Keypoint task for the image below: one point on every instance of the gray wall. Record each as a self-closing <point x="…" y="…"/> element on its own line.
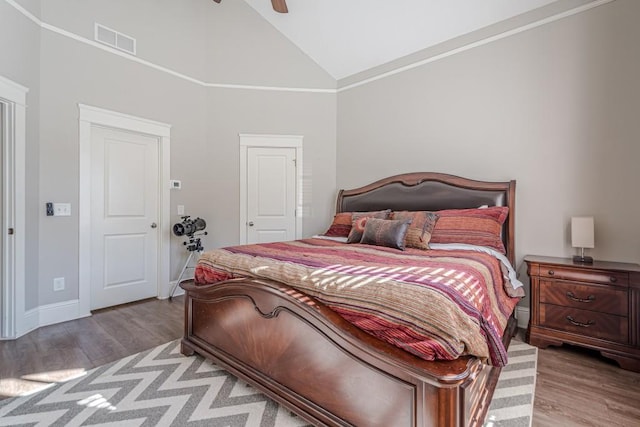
<point x="20" y="62"/>
<point x="555" y="108"/>
<point x="205" y="120"/>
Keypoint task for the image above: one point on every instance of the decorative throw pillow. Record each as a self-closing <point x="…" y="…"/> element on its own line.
<point x="482" y="227"/>
<point x="358" y="221"/>
<point x="342" y="222"/>
<point x="419" y="232"/>
<point x="341" y="225"/>
<point x="385" y="232"/>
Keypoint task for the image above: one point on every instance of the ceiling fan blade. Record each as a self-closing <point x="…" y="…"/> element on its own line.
<point x="279" y="6"/>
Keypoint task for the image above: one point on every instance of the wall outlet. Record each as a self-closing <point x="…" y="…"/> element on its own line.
<point x="62" y="209"/>
<point x="58" y="284"/>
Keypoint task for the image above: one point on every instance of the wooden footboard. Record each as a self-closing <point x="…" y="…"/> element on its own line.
<point x="309" y="359"/>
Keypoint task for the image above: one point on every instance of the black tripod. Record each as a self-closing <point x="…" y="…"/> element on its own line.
<point x="193" y="245"/>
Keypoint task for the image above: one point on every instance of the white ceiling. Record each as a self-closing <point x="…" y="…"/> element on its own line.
<point x="346" y="37"/>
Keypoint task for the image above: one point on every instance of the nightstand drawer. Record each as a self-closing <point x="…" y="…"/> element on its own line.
<point x="585" y="297"/>
<point x="583" y="275"/>
<point x="584" y="322"/>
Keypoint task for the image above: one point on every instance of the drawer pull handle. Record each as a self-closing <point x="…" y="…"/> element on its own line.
<point x="551" y="273"/>
<point x="588" y="299"/>
<point x="583" y="325"/>
<point x="613" y="279"/>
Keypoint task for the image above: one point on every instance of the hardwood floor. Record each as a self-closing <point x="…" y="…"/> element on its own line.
<point x="575" y="387"/>
<point x="63" y="350"/>
<point x="578" y="387"/>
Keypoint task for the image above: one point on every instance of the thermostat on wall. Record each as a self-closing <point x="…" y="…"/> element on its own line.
<point x="175" y="184"/>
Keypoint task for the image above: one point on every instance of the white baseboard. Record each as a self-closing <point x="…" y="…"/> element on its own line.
<point x="30" y="322"/>
<point x="60" y="312"/>
<point x="522" y="315"/>
<point x="64" y="311"/>
<point x="179" y="291"/>
<point x="49" y="315"/>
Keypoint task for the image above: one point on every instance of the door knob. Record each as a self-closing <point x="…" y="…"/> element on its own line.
<point x="154" y="225"/>
<point x="250" y="224"/>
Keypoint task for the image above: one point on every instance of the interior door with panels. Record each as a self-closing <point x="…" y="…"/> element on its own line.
<point x="124" y="216"/>
<point x="271" y="194"/>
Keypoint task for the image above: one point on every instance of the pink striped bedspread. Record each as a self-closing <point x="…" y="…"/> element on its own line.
<point x="435" y="304"/>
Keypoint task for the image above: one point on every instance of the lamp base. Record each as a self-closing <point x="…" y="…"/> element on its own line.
<point x="578" y="259"/>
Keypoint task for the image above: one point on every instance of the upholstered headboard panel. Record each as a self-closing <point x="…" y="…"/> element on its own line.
<point x="425" y="196"/>
<point x="433" y="192"/>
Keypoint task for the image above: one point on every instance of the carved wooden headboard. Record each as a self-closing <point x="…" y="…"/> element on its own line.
<point x="430" y="191"/>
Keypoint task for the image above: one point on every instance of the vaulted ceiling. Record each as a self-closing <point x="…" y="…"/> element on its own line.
<point x="346" y="37"/>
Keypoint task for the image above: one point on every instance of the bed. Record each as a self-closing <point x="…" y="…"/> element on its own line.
<point x="299" y="351"/>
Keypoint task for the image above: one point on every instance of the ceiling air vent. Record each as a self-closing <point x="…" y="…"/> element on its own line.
<point x="115" y="39"/>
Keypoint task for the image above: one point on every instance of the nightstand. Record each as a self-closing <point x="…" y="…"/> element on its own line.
<point x="591" y="305"/>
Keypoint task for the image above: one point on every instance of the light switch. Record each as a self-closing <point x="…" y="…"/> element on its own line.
<point x="180" y="209"/>
<point x="62" y="209"/>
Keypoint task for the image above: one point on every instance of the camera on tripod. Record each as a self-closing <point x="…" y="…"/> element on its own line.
<point x="189" y="227"/>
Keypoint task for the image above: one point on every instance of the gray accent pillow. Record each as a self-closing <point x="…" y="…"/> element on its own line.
<point x="358" y="221"/>
<point x="385" y="232"/>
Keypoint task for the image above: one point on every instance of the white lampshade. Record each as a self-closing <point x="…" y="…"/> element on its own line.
<point x="582" y="232"/>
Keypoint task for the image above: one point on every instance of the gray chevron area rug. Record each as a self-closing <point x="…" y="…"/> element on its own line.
<point x="512" y="403"/>
<point x="161" y="387"/>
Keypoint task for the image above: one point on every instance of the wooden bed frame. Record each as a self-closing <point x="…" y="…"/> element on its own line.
<point x="309" y="359"/>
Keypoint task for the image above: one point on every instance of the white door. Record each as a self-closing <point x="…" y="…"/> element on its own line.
<point x="3" y="224"/>
<point x="14" y="321"/>
<point x="124" y="217"/>
<point x="271" y="194"/>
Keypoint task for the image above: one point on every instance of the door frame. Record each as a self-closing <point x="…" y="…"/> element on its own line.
<point x="269" y="141"/>
<point x="94" y="116"/>
<point x="12" y="299"/>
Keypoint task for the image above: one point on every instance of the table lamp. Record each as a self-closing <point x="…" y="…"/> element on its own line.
<point x="582" y="237"/>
